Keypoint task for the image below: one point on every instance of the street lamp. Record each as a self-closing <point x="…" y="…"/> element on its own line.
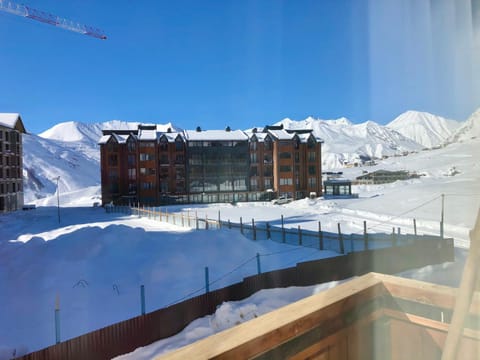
<point x="58" y="198"/>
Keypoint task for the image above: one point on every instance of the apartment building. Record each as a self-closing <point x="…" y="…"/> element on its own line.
<point x="11" y="163"/>
<point x="148" y="166"/>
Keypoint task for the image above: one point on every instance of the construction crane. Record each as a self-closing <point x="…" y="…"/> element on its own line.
<point x="42" y="16"/>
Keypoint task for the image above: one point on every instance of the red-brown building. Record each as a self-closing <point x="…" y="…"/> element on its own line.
<point x="196" y="166"/>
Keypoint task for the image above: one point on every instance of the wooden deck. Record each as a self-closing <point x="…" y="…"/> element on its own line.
<point x="374" y="316"/>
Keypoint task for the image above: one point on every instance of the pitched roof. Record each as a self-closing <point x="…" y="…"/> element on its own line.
<point x="215" y="135"/>
<point x="281" y="134"/>
<point x="10" y="120"/>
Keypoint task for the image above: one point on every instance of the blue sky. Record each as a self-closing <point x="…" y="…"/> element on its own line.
<point x="241" y="63"/>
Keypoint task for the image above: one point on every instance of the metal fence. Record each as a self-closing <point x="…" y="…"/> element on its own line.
<point x="263" y="230"/>
<point x="142" y="330"/>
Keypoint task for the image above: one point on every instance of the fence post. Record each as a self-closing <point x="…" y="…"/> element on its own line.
<point x="254" y="230"/>
<point x="219" y="220"/>
<point x="259" y="268"/>
<point x="196" y="220"/>
<point x="188" y="217"/>
<point x="207" y="281"/>
<point x="442" y="216"/>
<point x="365" y="235"/>
<point x="394" y="239"/>
<point x="241" y="226"/>
<point x="229" y="224"/>
<point x="183" y="219"/>
<point x="299" y="236"/>
<point x="320" y="236"/>
<point x="415" y="227"/>
<point x="268" y="231"/>
<point x="206" y="222"/>
<point x="57" y="319"/>
<point x="283" y="231"/>
<point x="142" y="298"/>
<point x="340" y="239"/>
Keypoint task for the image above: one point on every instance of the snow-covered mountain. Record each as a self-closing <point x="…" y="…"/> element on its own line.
<point x="426" y="129"/>
<point x="345" y="142"/>
<point x="470" y="129"/>
<point x="70" y="149"/>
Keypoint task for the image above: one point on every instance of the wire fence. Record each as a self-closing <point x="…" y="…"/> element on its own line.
<point x="339" y="242"/>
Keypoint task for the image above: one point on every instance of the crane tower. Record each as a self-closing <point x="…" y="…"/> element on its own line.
<point x="42" y="16"/>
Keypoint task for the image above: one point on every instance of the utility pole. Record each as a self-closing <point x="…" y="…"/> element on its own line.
<point x="58" y="199"/>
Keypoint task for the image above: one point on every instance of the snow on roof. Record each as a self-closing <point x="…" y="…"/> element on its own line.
<point x="259" y="135"/>
<point x="147" y="134"/>
<point x="104" y="139"/>
<point x="216" y="135"/>
<point x="9" y="120"/>
<point x="171" y="136"/>
<point x="281" y="134"/>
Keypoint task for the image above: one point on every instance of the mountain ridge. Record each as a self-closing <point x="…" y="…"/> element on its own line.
<point x="70" y="149"/>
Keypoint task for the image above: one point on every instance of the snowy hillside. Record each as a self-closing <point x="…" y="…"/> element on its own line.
<point x="68" y="150"/>
<point x="44" y="160"/>
<point x="424" y="128"/>
<point x="470" y="129"/>
<point x="345" y="142"/>
<point x="96" y="261"/>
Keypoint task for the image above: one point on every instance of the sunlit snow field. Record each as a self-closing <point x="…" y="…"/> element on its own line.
<point x="96" y="261"/>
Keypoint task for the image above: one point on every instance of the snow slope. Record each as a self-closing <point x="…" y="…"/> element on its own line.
<point x="424" y="128"/>
<point x="96" y="262"/>
<point x="345" y="142"/>
<point x="68" y="150"/>
<point x="470" y="129"/>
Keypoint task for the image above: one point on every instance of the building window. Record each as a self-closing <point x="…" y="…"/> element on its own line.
<point x="253" y="158"/>
<point x="285" y="168"/>
<point x="146" y="157"/>
<point x="297" y="157"/>
<point x="311" y="155"/>
<point x="112" y="160"/>
<point x="253" y="171"/>
<point x="147" y="185"/>
<point x="143" y="171"/>
<point x="151" y="171"/>
<point x="312" y="182"/>
<point x="132" y="188"/>
<point x="286" y="181"/>
<point x="268" y="144"/>
<point x="285" y="155"/>
<point x="179" y="145"/>
<point x="131" y="160"/>
<point x="253" y="183"/>
<point x="267" y="182"/>
<point x="147" y="144"/>
<point x="132" y="174"/>
<point x="179" y="159"/>
<point x="253" y="145"/>
<point x="113" y="175"/>
<point x="131" y="146"/>
<point x="312" y="170"/>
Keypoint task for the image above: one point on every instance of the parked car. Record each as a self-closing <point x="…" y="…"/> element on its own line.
<point x="282" y="200"/>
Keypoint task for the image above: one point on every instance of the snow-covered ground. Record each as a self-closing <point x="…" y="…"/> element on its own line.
<point x="95" y="262"/>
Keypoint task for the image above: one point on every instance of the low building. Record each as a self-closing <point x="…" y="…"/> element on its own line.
<point x="204" y="166"/>
<point x="338" y="188"/>
<point x="383" y="177"/>
<point x="11" y="162"/>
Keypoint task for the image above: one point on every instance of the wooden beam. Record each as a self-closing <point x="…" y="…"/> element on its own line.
<point x="267" y="331"/>
<point x="465" y="294"/>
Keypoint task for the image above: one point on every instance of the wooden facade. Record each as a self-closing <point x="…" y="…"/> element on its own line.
<point x="153" y="167"/>
<point x="11" y="162"/>
<point x="371" y="317"/>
